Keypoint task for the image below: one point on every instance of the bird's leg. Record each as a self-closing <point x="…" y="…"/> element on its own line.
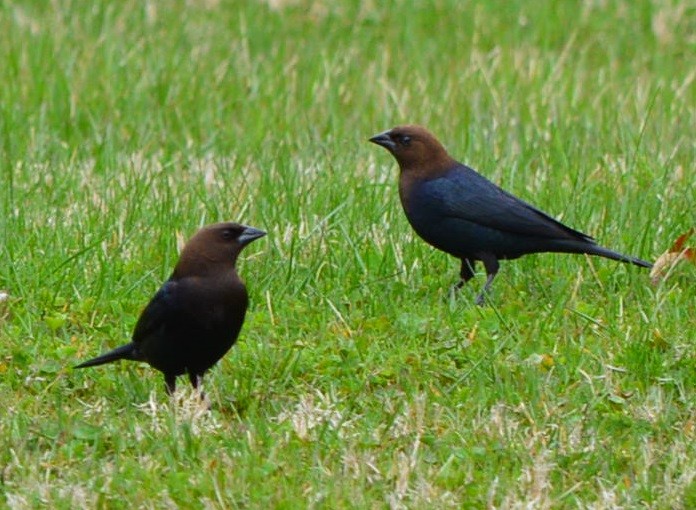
<point x="490" y="262"/>
<point x="196" y="380"/>
<point x="170" y="382"/>
<point x="466" y="272"/>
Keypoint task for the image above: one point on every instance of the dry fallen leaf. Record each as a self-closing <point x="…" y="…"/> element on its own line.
<point x="678" y="252"/>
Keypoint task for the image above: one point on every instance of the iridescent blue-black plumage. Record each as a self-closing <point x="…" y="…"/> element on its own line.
<point x="460" y="212"/>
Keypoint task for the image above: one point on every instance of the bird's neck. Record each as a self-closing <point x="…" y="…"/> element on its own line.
<point x="414" y="174"/>
<point x="427" y="169"/>
<point x="201" y="266"/>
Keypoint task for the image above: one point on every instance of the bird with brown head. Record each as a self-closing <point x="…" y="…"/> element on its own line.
<point x="457" y="210"/>
<point x="196" y="316"/>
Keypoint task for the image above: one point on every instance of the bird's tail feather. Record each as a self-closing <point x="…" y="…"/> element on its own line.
<point x="127" y="351"/>
<point x="607" y="253"/>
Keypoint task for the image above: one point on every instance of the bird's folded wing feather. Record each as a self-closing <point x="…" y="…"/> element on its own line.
<point x="465" y="194"/>
<point x="164" y="306"/>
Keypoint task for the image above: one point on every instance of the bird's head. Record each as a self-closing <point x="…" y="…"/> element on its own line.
<point x="214" y="247"/>
<point x="414" y="148"/>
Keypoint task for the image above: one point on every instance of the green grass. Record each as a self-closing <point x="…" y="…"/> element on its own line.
<point x="359" y="381"/>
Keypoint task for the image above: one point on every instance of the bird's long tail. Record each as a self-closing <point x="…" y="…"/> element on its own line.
<point x="128" y="351"/>
<point x="595" y="249"/>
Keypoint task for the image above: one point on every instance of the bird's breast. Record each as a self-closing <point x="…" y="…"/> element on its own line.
<point x="421" y="205"/>
<point x="427" y="212"/>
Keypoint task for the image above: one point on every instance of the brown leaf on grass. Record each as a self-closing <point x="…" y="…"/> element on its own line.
<point x="678" y="252"/>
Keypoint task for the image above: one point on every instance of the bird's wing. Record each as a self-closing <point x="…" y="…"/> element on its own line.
<point x="164" y="306"/>
<point x="464" y="193"/>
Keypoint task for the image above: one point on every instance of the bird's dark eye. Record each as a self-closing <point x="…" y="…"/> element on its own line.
<point x="227" y="235"/>
<point x="406" y="140"/>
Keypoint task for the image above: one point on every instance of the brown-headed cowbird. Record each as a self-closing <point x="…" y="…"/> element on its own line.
<point x="460" y="212"/>
<point x="196" y="316"/>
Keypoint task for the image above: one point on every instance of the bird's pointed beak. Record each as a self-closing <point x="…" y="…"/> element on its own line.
<point x="250" y="234"/>
<point x="384" y="139"/>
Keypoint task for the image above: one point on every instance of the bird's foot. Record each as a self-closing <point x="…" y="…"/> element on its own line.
<point x="480" y="299"/>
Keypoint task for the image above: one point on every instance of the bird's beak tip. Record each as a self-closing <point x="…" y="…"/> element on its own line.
<point x="384" y="140"/>
<point x="251" y="234"/>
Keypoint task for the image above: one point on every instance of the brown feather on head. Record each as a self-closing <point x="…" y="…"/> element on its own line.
<point x="415" y="149"/>
<point x="215" y="246"/>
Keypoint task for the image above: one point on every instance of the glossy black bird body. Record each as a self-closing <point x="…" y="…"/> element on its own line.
<point x="196" y="316"/>
<point x="458" y="211"/>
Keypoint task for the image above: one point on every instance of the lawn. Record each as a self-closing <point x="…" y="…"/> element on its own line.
<point x="360" y="380"/>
